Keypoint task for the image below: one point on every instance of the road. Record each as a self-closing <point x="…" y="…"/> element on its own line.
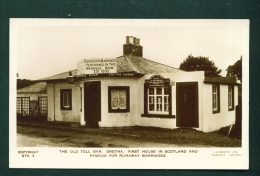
<point x="28" y="136"/>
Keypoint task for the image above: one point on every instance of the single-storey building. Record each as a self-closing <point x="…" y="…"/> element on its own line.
<point x="32" y="100"/>
<point x="130" y="90"/>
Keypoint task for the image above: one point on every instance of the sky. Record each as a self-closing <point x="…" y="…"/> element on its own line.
<point x="44" y="47"/>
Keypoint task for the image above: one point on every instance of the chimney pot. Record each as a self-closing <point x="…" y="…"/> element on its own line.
<point x="138" y="41"/>
<point x="135" y="40"/>
<point x="131" y="39"/>
<point x="127" y="39"/>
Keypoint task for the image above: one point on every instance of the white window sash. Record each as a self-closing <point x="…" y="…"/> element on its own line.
<point x="215" y="98"/>
<point x="66" y="99"/>
<point x="159" y="101"/>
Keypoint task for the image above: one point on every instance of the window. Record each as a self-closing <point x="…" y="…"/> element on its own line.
<point x="230" y="97"/>
<point x="118" y="99"/>
<point x="158" y="98"/>
<point x="65" y="99"/>
<point x="157" y="102"/>
<point x="215" y="99"/>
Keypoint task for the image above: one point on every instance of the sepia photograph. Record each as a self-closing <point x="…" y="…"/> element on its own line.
<point x="135" y="91"/>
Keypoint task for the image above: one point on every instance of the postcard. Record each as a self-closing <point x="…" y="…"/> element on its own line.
<point x="129" y="93"/>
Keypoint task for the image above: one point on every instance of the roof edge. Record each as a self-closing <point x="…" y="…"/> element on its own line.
<point x="221" y="80"/>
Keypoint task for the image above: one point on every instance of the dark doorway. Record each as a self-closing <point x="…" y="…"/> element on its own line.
<point x="92" y="103"/>
<point x="187" y="104"/>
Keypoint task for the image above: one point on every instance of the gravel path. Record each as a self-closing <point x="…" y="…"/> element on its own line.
<point x="124" y="137"/>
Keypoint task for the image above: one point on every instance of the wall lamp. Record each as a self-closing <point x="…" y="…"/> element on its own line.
<point x="71" y="79"/>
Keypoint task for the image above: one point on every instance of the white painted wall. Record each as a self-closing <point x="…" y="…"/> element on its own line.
<point x="107" y="119"/>
<point x="207" y="120"/>
<point x="54" y="111"/>
<point x="212" y="122"/>
<point x="136" y="85"/>
<point x="124" y="118"/>
<point x="175" y="77"/>
<point x="51" y="105"/>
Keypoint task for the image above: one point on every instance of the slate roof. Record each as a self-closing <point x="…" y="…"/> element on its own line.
<point x="39" y="87"/>
<point x="142" y="65"/>
<point x="224" y="80"/>
<point x="129" y="64"/>
<point x="60" y="76"/>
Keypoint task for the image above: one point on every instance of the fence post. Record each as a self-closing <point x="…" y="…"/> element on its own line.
<point x="238" y="125"/>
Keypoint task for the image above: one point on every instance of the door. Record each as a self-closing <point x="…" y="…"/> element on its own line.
<point x="187" y="104"/>
<point x="92" y="103"/>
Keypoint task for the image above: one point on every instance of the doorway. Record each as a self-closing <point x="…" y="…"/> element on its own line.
<point x="187" y="104"/>
<point x="92" y="103"/>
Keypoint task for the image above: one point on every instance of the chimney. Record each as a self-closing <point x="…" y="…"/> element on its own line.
<point x="132" y="47"/>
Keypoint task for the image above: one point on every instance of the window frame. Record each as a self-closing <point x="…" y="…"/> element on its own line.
<point x="118" y="88"/>
<point x="155" y="100"/>
<point x="217" y="97"/>
<point x="146" y="104"/>
<point x="62" y="93"/>
<point x="231" y="87"/>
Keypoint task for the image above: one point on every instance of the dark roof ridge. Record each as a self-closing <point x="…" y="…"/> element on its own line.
<point x="135" y="69"/>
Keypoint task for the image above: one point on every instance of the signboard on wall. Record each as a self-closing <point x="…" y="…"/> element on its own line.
<point x="97" y="66"/>
<point x="157" y="81"/>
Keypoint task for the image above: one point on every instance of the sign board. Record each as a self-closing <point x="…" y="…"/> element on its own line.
<point x="97" y="66"/>
<point x="157" y="81"/>
<point x="110" y="75"/>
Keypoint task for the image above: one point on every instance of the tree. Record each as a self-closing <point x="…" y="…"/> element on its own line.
<point x="200" y="63"/>
<point x="235" y="69"/>
<point x="21" y="83"/>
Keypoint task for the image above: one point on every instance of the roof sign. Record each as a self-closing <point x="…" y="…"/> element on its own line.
<point x="97" y="66"/>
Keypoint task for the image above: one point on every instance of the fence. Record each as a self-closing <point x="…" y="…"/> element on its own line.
<point x="31" y="109"/>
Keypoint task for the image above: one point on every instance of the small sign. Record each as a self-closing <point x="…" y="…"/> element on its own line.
<point x="110" y="75"/>
<point x="97" y="66"/>
<point x="157" y="81"/>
